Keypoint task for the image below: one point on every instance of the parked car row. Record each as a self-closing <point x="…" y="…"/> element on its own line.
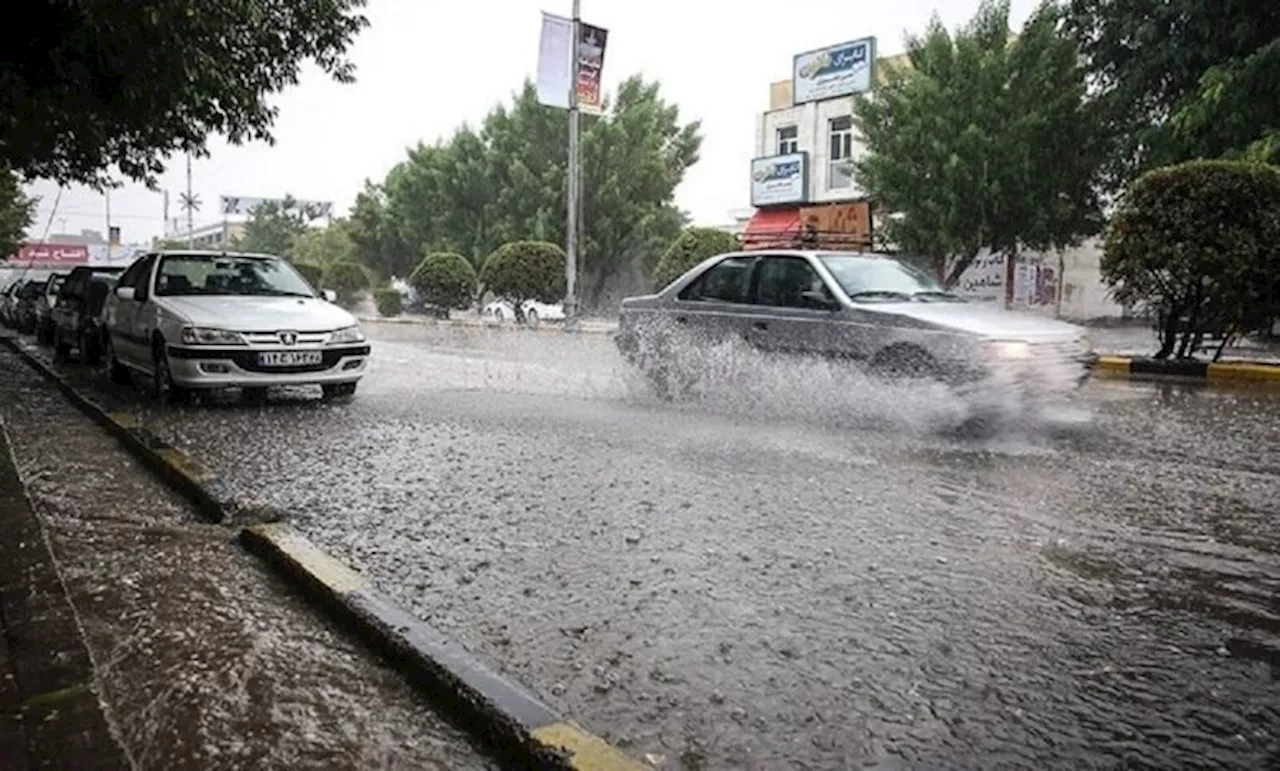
<point x="190" y="321"/>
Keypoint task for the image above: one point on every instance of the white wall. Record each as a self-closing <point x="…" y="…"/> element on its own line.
<point x="812" y="121"/>
<point x="1068" y="285"/>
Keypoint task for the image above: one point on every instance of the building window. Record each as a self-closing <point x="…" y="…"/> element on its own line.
<point x="788" y="140"/>
<point x="839" y="165"/>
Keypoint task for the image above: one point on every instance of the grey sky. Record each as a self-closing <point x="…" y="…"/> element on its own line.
<point x="425" y="67"/>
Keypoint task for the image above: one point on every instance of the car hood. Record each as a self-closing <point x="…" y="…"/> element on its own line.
<point x="258" y="314"/>
<point x="979" y="320"/>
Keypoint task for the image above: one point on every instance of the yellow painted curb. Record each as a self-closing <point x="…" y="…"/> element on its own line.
<point x="332" y="574"/>
<point x="1256" y="372"/>
<point x="589" y="752"/>
<point x="186" y="465"/>
<point x="1111" y="365"/>
<point x="125" y="419"/>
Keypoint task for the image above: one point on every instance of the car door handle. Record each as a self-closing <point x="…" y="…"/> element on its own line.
<point x="762" y="325"/>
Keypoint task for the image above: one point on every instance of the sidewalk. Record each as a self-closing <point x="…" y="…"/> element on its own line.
<point x="1140" y="342"/>
<point x="50" y="713"/>
<point x="201" y="656"/>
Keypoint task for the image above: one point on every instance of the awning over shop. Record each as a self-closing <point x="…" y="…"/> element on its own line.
<point x="772" y="229"/>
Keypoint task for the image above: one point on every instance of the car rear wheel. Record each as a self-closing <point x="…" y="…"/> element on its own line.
<point x="88" y="347"/>
<point x="338" y="390"/>
<point x="61" y="348"/>
<point x="531" y="318"/>
<point x="116" y="372"/>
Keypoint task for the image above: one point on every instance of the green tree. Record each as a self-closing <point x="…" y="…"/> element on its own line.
<point x="17" y="211"/>
<point x="273" y="227"/>
<point x="88" y="86"/>
<point x="525" y="270"/>
<point x="324" y="246"/>
<point x="1180" y="79"/>
<point x="445" y="281"/>
<point x="507" y="182"/>
<point x="313" y="273"/>
<point x="348" y="279"/>
<point x="1199" y="244"/>
<point x="389" y="301"/>
<point x="373" y="231"/>
<point x="692" y="247"/>
<point x="966" y="144"/>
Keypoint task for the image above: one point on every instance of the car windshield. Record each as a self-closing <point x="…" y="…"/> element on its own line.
<point x="867" y="278"/>
<point x="216" y="274"/>
<point x="33" y="289"/>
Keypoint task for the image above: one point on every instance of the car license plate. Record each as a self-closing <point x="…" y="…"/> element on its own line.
<point x="289" y="358"/>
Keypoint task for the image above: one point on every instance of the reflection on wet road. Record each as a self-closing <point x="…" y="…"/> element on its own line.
<point x="796" y="571"/>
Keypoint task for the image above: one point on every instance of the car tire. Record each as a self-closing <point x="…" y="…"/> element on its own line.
<point x="497" y="315"/>
<point x="61" y="348"/>
<point x="88" y="348"/>
<point x="531" y="318"/>
<point x="334" y="391"/>
<point x="116" y="372"/>
<point x="163" y="388"/>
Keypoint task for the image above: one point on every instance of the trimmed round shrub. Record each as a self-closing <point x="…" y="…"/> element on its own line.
<point x="1198" y="244"/>
<point x="314" y="274"/>
<point x="389" y="301"/>
<point x="346" y="278"/>
<point x="692" y="247"/>
<point x="525" y="270"/>
<point x="445" y="281"/>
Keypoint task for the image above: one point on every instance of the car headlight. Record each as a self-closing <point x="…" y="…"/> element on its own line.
<point x="209" y="336"/>
<point x="347" y="335"/>
<point x="1008" y="349"/>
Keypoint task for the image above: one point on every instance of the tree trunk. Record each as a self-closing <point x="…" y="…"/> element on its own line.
<point x="1168" y="333"/>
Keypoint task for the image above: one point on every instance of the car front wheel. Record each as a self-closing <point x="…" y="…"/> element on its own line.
<point x="162" y="385"/>
<point x="61" y="348"/>
<point x="116" y="372"/>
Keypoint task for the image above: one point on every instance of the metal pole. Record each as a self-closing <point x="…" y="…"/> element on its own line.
<point x="571" y="236"/>
<point x="190" y="209"/>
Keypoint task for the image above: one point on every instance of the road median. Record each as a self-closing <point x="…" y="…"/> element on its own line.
<point x="502" y="714"/>
<point x="1258" y="373"/>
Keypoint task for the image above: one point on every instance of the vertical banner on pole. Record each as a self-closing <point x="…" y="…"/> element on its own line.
<point x="554" y="61"/>
<point x="591" y="45"/>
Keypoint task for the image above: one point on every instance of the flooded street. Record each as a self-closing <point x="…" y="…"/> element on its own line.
<point x="798" y="570"/>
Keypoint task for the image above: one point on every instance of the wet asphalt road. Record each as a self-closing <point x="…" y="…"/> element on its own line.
<point x="795" y="570"/>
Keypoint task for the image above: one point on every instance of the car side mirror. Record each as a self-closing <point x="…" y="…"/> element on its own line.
<point x="125" y="292"/>
<point x="819" y="299"/>
<point x="330" y="295"/>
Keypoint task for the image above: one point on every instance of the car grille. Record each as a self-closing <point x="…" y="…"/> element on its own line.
<point x="248" y="359"/>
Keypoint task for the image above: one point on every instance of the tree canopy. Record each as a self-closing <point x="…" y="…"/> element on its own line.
<point x="1181" y="79"/>
<point x="507" y="181"/>
<point x="1199" y="245"/>
<point x="273" y="227"/>
<point x="324" y="246"/>
<point x="17" y="210"/>
<point x="692" y="247"/>
<point x="445" y="280"/>
<point x="983" y="142"/>
<point x="525" y="270"/>
<point x="91" y="85"/>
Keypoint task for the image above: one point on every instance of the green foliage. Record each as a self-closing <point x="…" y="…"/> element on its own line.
<point x="1180" y="79"/>
<point x="97" y="85"/>
<point x="445" y="280"/>
<point x="324" y="246"/>
<point x="692" y="247"/>
<point x="506" y="181"/>
<point x="389" y="301"/>
<point x="525" y="270"/>
<point x="313" y="273"/>
<point x="348" y="279"/>
<point x="169" y="244"/>
<point x="1201" y="242"/>
<point x="273" y="227"/>
<point x="17" y="210"/>
<point x="373" y="231"/>
<point x="967" y="144"/>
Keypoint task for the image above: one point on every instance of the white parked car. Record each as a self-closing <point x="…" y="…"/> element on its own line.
<point x="207" y="320"/>
<point x="500" y="311"/>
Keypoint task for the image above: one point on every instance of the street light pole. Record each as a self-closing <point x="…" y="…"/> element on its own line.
<point x="571" y="237"/>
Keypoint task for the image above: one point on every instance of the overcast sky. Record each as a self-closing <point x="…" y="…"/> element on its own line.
<point x="425" y="67"/>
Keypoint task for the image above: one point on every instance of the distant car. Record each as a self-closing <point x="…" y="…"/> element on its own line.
<point x="500" y="311"/>
<point x="24" y="312"/>
<point x="871" y="310"/>
<point x="9" y="302"/>
<point x="44" y="308"/>
<point x="191" y="320"/>
<point x="77" y="313"/>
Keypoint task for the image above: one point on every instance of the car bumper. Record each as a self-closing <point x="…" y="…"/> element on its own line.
<point x="237" y="368"/>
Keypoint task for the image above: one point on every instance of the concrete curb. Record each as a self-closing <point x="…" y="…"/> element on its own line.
<point x="544" y="327"/>
<point x="1253" y="373"/>
<point x="504" y="716"/>
<point x="507" y="716"/>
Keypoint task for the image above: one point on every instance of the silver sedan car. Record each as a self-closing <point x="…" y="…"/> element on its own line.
<point x="872" y="309"/>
